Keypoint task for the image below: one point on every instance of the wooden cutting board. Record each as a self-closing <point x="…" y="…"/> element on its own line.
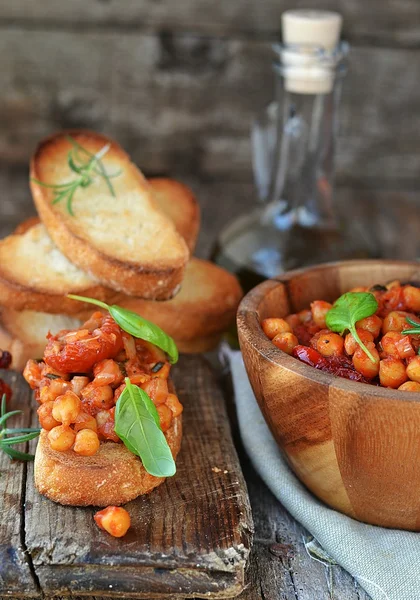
<point x="189" y="537"/>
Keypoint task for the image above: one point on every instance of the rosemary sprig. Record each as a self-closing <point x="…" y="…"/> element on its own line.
<point x="6" y="442"/>
<point x="85" y="165"/>
<point x="416" y="327"/>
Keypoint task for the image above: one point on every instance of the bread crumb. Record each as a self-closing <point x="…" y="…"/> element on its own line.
<point x="217" y="470"/>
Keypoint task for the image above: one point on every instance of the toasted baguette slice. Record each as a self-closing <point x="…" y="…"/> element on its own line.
<point x="177" y="201"/>
<point x="24" y="333"/>
<point x="122" y="240"/>
<point x="204" y="308"/>
<point x="113" y="476"/>
<point x="35" y="275"/>
<point x="51" y="276"/>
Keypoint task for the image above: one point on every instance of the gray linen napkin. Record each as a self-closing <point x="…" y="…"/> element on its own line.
<point x="385" y="562"/>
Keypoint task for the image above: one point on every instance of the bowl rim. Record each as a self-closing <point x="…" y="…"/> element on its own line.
<point x="251" y="332"/>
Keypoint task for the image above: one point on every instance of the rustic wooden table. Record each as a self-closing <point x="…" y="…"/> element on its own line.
<point x="280" y="567"/>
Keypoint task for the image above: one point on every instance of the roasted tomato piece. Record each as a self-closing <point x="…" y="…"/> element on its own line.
<point x="310" y="357"/>
<point x="78" y="351"/>
<point x="336" y="365"/>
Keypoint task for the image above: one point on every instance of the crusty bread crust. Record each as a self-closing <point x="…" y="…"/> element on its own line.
<point x="159" y="278"/>
<point x="205" y="307"/>
<point x="178" y="202"/>
<point x="24" y="333"/>
<point x="19" y="263"/>
<point x="113" y="476"/>
<point x="26" y="225"/>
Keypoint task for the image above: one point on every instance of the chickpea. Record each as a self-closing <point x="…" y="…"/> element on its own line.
<point x="359" y="289"/>
<point x="397" y="345"/>
<point x="174" y="404"/>
<point x="85" y="421"/>
<point x="66" y="408"/>
<point x="45" y="395"/>
<point x="45" y="417"/>
<point x="395" y="283"/>
<point x="286" y="342"/>
<point x="392" y="372"/>
<point x="165" y="416"/>
<point x="410" y="386"/>
<point x="373" y="324"/>
<point x="411" y="297"/>
<point x="50" y="390"/>
<point x="413" y="369"/>
<point x="78" y="383"/>
<point x="363" y="364"/>
<point x="58" y="387"/>
<point x="350" y="344"/>
<point x="319" y="310"/>
<point x="87" y="442"/>
<point x="395" y="321"/>
<point x="292" y="320"/>
<point x="273" y="327"/>
<point x="103" y="397"/>
<point x="114" y="520"/>
<point x="61" y="438"/>
<point x="156" y="389"/>
<point x="330" y="344"/>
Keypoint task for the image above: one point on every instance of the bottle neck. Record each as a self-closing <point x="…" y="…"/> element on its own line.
<point x="302" y="174"/>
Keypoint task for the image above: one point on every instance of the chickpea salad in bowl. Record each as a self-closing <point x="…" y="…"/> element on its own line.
<point x="371" y="335"/>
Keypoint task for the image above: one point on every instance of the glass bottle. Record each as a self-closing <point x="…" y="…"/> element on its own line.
<point x="293" y="143"/>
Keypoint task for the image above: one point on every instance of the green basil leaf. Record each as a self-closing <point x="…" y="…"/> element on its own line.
<point x="136" y="326"/>
<point x="149" y="405"/>
<point x="349" y="309"/>
<point x="132" y="323"/>
<point x="136" y="424"/>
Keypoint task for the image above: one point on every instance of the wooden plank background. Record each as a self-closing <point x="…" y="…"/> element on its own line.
<point x="177" y="83"/>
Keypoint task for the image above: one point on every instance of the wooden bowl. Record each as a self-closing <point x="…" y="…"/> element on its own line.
<point x="354" y="445"/>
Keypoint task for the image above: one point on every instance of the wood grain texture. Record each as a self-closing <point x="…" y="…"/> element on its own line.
<point x="354" y="445"/>
<point x="16" y="574"/>
<point x="183" y="103"/>
<point x="393" y="24"/>
<point x="191" y="536"/>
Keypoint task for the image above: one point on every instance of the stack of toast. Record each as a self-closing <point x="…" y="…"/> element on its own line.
<point x="106" y="232"/>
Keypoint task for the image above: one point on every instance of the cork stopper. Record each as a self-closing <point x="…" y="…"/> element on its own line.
<point x="305" y="32"/>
